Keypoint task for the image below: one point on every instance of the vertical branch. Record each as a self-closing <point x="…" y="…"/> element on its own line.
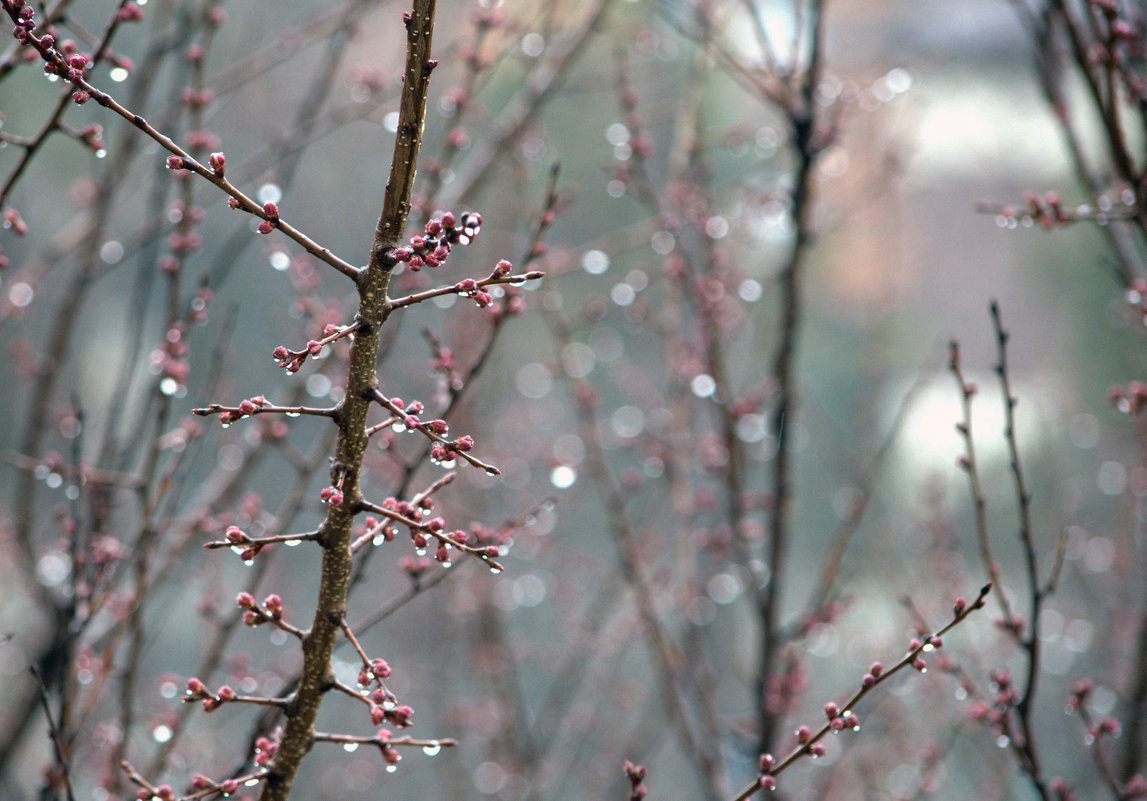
<point x="802" y="117"/>
<point x="317" y="675"/>
<point x="970" y="466"/>
<point x="1029" y="642"/>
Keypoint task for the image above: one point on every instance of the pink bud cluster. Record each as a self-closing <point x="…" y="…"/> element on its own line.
<point x="197" y="691"/>
<point x="446" y="451"/>
<point x="1130" y="399"/>
<point x="255" y="615"/>
<point x="636" y="776"/>
<point x="265" y="750"/>
<point x="1078" y="696"/>
<point x="292" y="361"/>
<point x="271" y="210"/>
<point x="170" y="359"/>
<point x="433" y="246"/>
<point x="237" y="537"/>
<point x="766" y="766"/>
<point x="244" y="409"/>
<point x="227" y="787"/>
<point x="372" y="524"/>
<point x="1046" y="209"/>
<point x="1005" y="696"/>
<point x="63" y="61"/>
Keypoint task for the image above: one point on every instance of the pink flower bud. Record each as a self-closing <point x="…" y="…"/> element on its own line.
<point x="218" y="164"/>
<point x="831" y="710"/>
<point x="265" y="228"/>
<point x="400" y="716"/>
<point x="245" y="600"/>
<point x="274" y="605"/>
<point x="271" y="210"/>
<point x="768" y="783"/>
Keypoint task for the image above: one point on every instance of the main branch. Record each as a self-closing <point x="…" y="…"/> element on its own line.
<point x="373" y="309"/>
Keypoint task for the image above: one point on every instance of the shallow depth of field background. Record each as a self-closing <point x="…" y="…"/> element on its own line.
<point x="947" y="114"/>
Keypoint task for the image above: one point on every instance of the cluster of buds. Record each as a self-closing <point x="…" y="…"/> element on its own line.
<point x="129" y="12"/>
<point x="389" y="754"/>
<point x="92" y="136"/>
<point x="197" y="691"/>
<point x="1006" y="696"/>
<point x="1078" y="696"/>
<point x="244" y="409"/>
<point x="839" y="721"/>
<point x="804" y="737"/>
<point x="68" y="64"/>
<point x="265" y="750"/>
<point x="1045" y="209"/>
<point x="201" y="784"/>
<point x="915" y="645"/>
<point x="247" y="547"/>
<point x="380" y="529"/>
<point x="170" y="360"/>
<point x="766" y="767"/>
<point x="1130" y="399"/>
<point x="292" y="360"/>
<point x="333" y="495"/>
<point x="399" y="716"/>
<point x="636" y="776"/>
<point x="875" y="671"/>
<point x="272" y="222"/>
<point x="446" y="451"/>
<point x="14" y="222"/>
<point x="256" y="615"/>
<point x="407" y="509"/>
<point x="439" y="236"/>
<point x="1106" y="726"/>
<point x="469" y="288"/>
<point x="376" y="671"/>
<point x="163" y="793"/>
